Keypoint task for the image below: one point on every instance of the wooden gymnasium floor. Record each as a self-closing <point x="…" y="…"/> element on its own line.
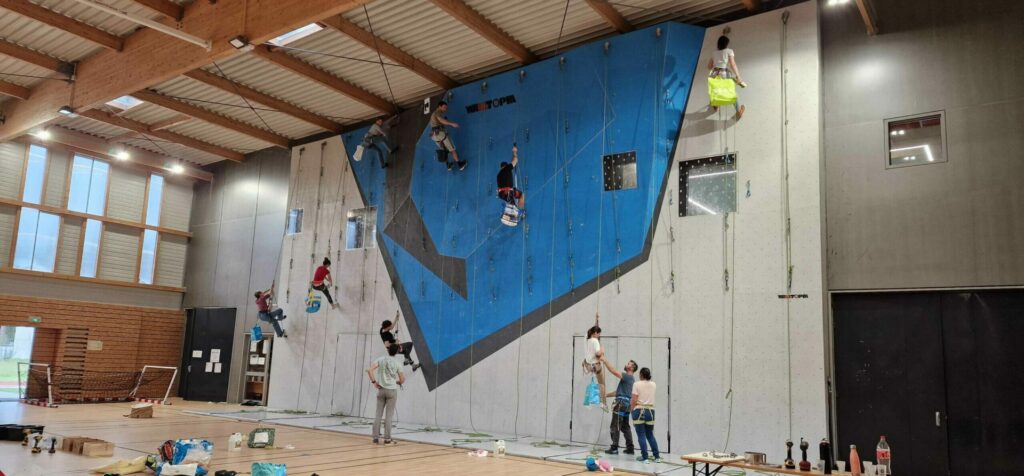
<point x="315" y="451"/>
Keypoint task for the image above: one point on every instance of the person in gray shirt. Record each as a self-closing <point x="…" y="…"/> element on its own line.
<point x="377" y="137"/>
<point x="386" y="374"/>
<point x="620" y="407"/>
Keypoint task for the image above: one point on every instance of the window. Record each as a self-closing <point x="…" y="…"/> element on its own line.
<point x="154" y="200"/>
<point x="294" y="225"/>
<point x="149" y="238"/>
<point x="124" y="103"/>
<point x="916" y="140"/>
<point x="361" y="229"/>
<point x="35" y="173"/>
<point x="36" y="248"/>
<point x="707" y="186"/>
<point x="88" y="193"/>
<point x="90" y="248"/>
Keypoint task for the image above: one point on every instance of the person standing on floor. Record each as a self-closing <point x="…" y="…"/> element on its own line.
<point x="620" y="407"/>
<point x="641" y="406"/>
<point x="322" y="280"/>
<point x="266" y="315"/>
<point x="388" y="331"/>
<point x="386" y="375"/>
<point x="723" y="65"/>
<point x="439" y="134"/>
<point x="592" y="362"/>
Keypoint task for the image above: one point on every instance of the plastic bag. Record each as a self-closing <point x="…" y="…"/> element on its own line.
<point x="722" y="91"/>
<point x="312" y="302"/>
<point x="269" y="469"/>
<point x="257" y="333"/>
<point x="359" y="152"/>
<point x="183" y="454"/>
<point x="592" y="396"/>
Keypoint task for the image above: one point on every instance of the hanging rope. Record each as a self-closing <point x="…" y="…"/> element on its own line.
<point x="246" y="101"/>
<point x="787" y="250"/>
<point x="379" y="57"/>
<point x="312" y="265"/>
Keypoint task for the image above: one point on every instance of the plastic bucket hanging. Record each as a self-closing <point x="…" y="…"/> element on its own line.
<point x="312" y="302"/>
<point x="592" y="397"/>
<point x="359" y="153"/>
<point x="722" y="91"/>
<point x="510" y="217"/>
<point x="257" y="333"/>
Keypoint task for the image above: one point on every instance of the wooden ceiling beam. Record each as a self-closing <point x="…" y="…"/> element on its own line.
<point x="108" y="118"/>
<point x="752" y="5"/>
<point x="487" y="29"/>
<point x="61" y="22"/>
<point x="211" y="117"/>
<point x="151" y="59"/>
<point x="165" y="8"/>
<point x="95" y="145"/>
<point x="14" y="91"/>
<point x="246" y="92"/>
<point x="343" y="25"/>
<point x="156" y="126"/>
<point x="302" y="68"/>
<point x="612" y="16"/>
<point x="30" y="56"/>
<point x="867" y="13"/>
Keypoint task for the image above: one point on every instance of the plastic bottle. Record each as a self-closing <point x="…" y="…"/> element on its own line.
<point x="855" y="468"/>
<point x="883" y="457"/>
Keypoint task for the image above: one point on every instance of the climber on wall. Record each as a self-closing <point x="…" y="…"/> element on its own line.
<point x="322" y="280"/>
<point x="266" y="315"/>
<point x="377" y="137"/>
<point x="507" y="190"/>
<point x="439" y="134"/>
<point x="592" y="362"/>
<point x="723" y="65"/>
<point x="388" y="330"/>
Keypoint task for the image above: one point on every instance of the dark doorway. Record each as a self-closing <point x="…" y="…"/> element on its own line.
<point x="938" y="373"/>
<point x="206" y="356"/>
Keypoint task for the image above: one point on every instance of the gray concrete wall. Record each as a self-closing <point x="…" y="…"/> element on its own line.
<point x="237" y="228"/>
<point x="747" y="368"/>
<point x="959" y="223"/>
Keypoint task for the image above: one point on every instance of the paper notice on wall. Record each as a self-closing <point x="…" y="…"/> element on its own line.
<point x="254" y="346"/>
<point x="216" y="368"/>
<point x="209" y="367"/>
<point x="262" y="361"/>
<point x="266" y="346"/>
<point x="214" y="355"/>
<point x="197" y="354"/>
<point x="254" y="359"/>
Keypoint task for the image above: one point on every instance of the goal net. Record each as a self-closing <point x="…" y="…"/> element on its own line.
<point x="75" y="385"/>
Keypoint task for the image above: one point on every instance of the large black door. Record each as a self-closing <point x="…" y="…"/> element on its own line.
<point x="889" y="379"/>
<point x="207" y="353"/>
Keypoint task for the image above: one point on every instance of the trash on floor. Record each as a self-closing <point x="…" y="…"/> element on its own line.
<point x="123" y="466"/>
<point x="268" y="469"/>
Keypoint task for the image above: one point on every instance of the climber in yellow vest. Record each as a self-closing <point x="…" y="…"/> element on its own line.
<point x="723" y="65"/>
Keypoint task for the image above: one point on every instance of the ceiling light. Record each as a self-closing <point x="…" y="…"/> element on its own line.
<point x="42" y="134"/>
<point x="122" y="155"/>
<point x="177" y="168"/>
<point x="894" y="133"/>
<point x="833" y="3"/>
<point x="296" y="34"/>
<point x="903" y="132"/>
<point x="67" y="111"/>
<point x="239" y="42"/>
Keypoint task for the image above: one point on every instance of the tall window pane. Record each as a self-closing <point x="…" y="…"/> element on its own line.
<point x="88" y="193"/>
<point x="149" y="238"/>
<point x="36" y="248"/>
<point x="34" y="174"/>
<point x="156" y="194"/>
<point x="91" y="248"/>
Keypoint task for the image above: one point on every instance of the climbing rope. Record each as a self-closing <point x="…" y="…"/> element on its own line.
<point x="312" y="264"/>
<point x="292" y="186"/>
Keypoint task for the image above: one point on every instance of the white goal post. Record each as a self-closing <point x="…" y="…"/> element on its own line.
<point x="170" y="383"/>
<point x="23" y="390"/>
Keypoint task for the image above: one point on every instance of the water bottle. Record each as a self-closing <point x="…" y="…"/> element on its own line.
<point x="855" y="467"/>
<point x="883" y="457"/>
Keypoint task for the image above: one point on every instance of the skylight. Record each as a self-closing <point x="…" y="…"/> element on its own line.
<point x="296" y="34"/>
<point x="124" y="103"/>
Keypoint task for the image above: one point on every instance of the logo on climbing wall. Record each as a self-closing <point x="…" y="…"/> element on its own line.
<point x="491" y="104"/>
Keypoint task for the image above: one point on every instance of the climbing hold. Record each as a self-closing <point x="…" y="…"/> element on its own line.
<point x="607" y="45"/>
<point x="522" y="74"/>
<point x="483" y="86"/>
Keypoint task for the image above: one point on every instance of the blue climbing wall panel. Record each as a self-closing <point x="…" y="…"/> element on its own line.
<point x="620" y="95"/>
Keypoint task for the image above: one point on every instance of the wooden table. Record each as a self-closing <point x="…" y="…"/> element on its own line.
<point x="697" y="460"/>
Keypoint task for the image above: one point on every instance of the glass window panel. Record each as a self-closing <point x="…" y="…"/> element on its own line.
<point x="154" y="200"/>
<point x="34" y="174"/>
<point x="36" y="248"/>
<point x="88" y="192"/>
<point x="294" y="225"/>
<point x="91" y="248"/>
<point x="98" y="188"/>
<point x="361" y="229"/>
<point x="916" y="140"/>
<point x="149" y="239"/>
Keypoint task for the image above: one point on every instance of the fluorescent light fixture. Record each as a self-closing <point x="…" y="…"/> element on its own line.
<point x="177" y="168"/>
<point x="239" y="42"/>
<point x="712" y="174"/>
<point x="124" y="103"/>
<point x="42" y="134"/>
<point x="122" y="155"/>
<point x="67" y="111"/>
<point x="926" y="147"/>
<point x="701" y="206"/>
<point x="833" y="3"/>
<point x="296" y="34"/>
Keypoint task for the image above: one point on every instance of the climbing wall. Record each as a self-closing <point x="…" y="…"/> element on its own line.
<point x="494" y="311"/>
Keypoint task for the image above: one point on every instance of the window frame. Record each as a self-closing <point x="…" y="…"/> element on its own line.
<point x="35" y="240"/>
<point x="684" y="193"/>
<point x="363" y="212"/>
<point x="106" y="191"/>
<point x="886" y="149"/>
